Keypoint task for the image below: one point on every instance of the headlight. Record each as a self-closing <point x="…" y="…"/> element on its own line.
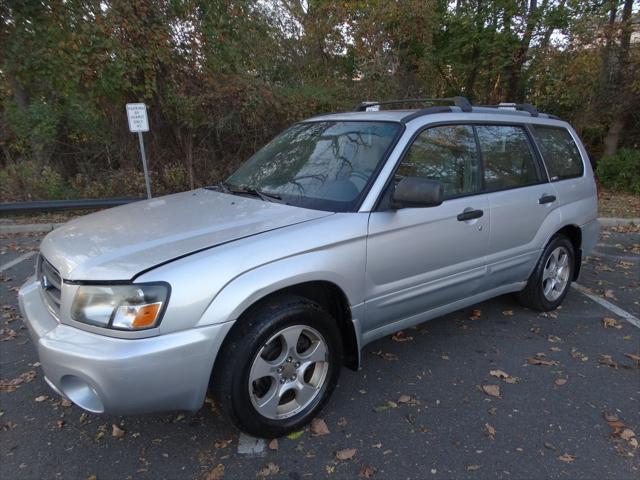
<point x="123" y="307"/>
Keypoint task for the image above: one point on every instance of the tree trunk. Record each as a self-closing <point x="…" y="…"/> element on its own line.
<point x="515" y="92"/>
<point x="618" y="79"/>
<point x="612" y="139"/>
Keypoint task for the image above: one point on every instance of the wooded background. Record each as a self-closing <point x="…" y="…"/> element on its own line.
<point x="222" y="77"/>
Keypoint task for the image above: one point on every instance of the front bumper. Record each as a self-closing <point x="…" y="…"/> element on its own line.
<point x="121" y="376"/>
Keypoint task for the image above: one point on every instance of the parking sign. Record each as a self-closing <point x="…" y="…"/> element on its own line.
<point x="137" y="116"/>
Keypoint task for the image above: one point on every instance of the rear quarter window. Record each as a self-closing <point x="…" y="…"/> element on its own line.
<point x="559" y="151"/>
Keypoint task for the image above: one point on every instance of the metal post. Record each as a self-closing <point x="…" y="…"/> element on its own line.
<point x="144" y="165"/>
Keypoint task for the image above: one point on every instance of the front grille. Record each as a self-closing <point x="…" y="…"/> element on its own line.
<point x="50" y="283"/>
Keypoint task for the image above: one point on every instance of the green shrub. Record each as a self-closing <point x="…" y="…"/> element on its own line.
<point x="620" y="171"/>
<point x="26" y="181"/>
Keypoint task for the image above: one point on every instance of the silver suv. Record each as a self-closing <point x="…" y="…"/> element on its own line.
<point x="345" y="228"/>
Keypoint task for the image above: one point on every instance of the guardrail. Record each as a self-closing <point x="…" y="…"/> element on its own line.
<point x="39" y="206"/>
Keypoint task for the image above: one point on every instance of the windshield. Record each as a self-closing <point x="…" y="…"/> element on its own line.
<point x="319" y="165"/>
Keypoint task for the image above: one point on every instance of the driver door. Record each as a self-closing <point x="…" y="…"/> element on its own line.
<point x="419" y="259"/>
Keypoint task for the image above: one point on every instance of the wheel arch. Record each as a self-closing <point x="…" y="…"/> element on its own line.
<point x="326" y="293"/>
<point x="574" y="234"/>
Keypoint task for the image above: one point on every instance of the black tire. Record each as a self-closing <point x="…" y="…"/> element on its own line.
<point x="533" y="294"/>
<point x="245" y="341"/>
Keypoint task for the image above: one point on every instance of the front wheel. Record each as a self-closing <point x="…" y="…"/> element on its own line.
<point x="278" y="367"/>
<point x="550" y="280"/>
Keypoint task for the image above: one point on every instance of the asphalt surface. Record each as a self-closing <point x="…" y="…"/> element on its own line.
<point x="417" y="408"/>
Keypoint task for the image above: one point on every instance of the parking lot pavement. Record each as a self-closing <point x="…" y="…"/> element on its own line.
<point x="494" y="391"/>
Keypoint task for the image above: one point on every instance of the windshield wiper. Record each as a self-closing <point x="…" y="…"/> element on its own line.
<point x="266" y="196"/>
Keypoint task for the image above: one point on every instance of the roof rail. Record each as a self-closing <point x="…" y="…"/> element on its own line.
<point x="525" y="107"/>
<point x="461" y="102"/>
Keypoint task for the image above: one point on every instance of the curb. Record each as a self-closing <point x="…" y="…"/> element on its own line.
<point x="616" y="222"/>
<point x="47" y="227"/>
<point x="29" y="227"/>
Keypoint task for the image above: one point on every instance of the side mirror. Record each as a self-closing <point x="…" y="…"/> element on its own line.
<point x="417" y="192"/>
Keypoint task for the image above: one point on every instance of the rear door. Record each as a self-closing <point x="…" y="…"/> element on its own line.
<point x="421" y="258"/>
<point x="520" y="199"/>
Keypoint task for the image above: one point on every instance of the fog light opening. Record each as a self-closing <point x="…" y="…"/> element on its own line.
<point x="81" y="393"/>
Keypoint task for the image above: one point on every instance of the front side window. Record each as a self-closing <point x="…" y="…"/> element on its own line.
<point x="507" y="157"/>
<point x="559" y="151"/>
<point x="448" y="154"/>
<point x="319" y="165"/>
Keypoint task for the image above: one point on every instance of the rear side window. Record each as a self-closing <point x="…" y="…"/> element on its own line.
<point x="447" y="154"/>
<point x="507" y="157"/>
<point x="560" y="153"/>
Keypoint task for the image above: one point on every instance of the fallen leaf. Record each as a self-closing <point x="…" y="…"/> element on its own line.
<point x="609" y="294"/>
<point x="404" y="398"/>
<point x="493" y="411"/>
<point x="222" y="443"/>
<point x="489" y="431"/>
<point x="627" y="434"/>
<point x="550" y="446"/>
<point x="386" y="406"/>
<point x="295" y="435"/>
<point x="41" y="398"/>
<point x="386" y="355"/>
<point x="607" y="360"/>
<point x="269" y="469"/>
<point x="576" y="354"/>
<point x="7" y="334"/>
<point x="504" y="376"/>
<point x="491" y="390"/>
<point x="342" y="422"/>
<point x="507" y="313"/>
<point x="273" y="444"/>
<point x="216" y="473"/>
<point x="367" y="472"/>
<point x="11" y="385"/>
<point x="632" y="356"/>
<point x="567" y="458"/>
<point x="116" y="431"/>
<point x="541" y="361"/>
<point x="476" y="313"/>
<point x="611" y="322"/>
<point x="346" y="453"/>
<point x="401" y="337"/>
<point x="560" y="381"/>
<point x="319" y="427"/>
<point x="65" y="403"/>
<point x="473" y="468"/>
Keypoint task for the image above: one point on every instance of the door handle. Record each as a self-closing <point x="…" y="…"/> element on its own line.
<point x="546" y="199"/>
<point x="469" y="215"/>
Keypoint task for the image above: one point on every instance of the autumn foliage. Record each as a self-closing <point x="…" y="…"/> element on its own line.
<point x="222" y="77"/>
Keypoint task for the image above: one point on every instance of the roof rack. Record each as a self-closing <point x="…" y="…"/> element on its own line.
<point x="461" y="102"/>
<point x="525" y="107"/>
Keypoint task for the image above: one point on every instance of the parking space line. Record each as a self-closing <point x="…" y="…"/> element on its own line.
<point x="16" y="261"/>
<point x="633" y="320"/>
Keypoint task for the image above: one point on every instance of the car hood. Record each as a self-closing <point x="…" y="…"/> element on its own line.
<point x="118" y="243"/>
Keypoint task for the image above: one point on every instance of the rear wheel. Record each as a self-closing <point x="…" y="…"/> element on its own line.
<point x="550" y="280"/>
<point x="279" y="367"/>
